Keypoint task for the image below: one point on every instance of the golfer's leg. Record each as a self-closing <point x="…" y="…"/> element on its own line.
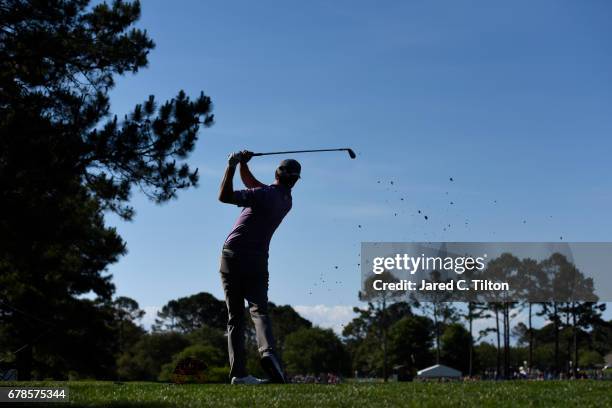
<point x="234" y="299"/>
<point x="256" y="293"/>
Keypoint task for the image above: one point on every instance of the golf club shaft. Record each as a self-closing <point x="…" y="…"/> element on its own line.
<point x="301" y="151"/>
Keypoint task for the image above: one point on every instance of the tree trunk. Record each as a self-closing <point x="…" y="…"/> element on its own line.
<point x="435" y="313"/>
<point x="471" y="356"/>
<point x="498" y="355"/>
<point x="556" y="327"/>
<point x="384" y="335"/>
<point x="568" y="368"/>
<point x="575" y="340"/>
<point x="530" y="363"/>
<point x="385" y="362"/>
<point x="24" y="363"/>
<point x="120" y="345"/>
<point x="506" y="312"/>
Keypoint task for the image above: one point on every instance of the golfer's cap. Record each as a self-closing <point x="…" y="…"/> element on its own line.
<point x="290" y="167"/>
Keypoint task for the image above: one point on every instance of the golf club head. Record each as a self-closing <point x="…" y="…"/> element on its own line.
<point x="351" y="153"/>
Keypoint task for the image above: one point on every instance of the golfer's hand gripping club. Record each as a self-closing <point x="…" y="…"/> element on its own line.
<point x="234" y="159"/>
<point x="245" y="156"/>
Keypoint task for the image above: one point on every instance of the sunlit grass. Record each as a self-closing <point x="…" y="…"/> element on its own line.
<point x="473" y="394"/>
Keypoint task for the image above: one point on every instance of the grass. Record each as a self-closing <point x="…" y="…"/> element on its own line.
<point x="584" y="393"/>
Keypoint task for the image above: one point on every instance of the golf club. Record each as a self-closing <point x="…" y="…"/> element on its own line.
<point x="350" y="152"/>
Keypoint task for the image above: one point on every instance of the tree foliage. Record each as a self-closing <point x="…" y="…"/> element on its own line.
<point x="411" y="341"/>
<point x="189" y="313"/>
<point x="315" y="350"/>
<point x="455" y="342"/>
<point x="64" y="160"/>
<point x="366" y="336"/>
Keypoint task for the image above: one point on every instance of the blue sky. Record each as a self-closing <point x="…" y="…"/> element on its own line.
<point x="510" y="99"/>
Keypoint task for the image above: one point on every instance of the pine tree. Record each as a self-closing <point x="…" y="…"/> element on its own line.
<point x="64" y="161"/>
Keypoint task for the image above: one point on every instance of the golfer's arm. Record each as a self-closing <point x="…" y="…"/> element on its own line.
<point x="248" y="178"/>
<point x="226" y="193"/>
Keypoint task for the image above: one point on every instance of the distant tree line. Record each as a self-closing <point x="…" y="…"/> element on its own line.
<point x="574" y="336"/>
<point x="194" y="326"/>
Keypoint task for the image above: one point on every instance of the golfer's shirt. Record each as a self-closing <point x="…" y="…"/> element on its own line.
<point x="264" y="209"/>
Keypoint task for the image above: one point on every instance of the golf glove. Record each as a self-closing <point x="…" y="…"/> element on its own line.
<point x="245" y="156"/>
<point x="234" y="159"/>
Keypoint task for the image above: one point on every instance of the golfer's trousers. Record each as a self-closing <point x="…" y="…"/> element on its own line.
<point x="245" y="277"/>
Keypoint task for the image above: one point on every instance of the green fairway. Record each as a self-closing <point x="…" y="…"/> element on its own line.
<point x="488" y="394"/>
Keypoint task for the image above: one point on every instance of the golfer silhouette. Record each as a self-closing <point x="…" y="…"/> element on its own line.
<point x="244" y="260"/>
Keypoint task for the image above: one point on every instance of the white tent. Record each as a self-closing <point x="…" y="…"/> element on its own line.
<point x="438" y="371"/>
<point x="608" y="361"/>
